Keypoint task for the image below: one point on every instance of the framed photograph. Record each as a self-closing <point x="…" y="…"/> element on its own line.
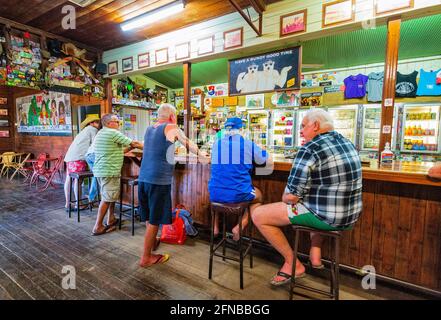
<point x="384" y="7"/>
<point x="161" y="56"/>
<point x="127" y="64"/>
<point x="4" y="133"/>
<point x="182" y="51"/>
<point x="143" y="60"/>
<point x="4" y="123"/>
<point x="3" y="112"/>
<point x="255" y="101"/>
<point x="113" y="68"/>
<point x="3" y="100"/>
<point x="206" y="45"/>
<point x="233" y="38"/>
<point x="338" y="12"/>
<point x="293" y="23"/>
<point x="269" y="72"/>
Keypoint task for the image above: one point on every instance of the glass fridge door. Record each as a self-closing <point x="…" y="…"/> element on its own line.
<point x="258" y="126"/>
<point x="345" y="121"/>
<point x="281" y="128"/>
<point x="370" y="134"/>
<point x="300" y="114"/>
<point x="420" y="129"/>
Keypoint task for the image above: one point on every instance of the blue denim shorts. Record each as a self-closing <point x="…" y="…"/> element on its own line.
<point x="155" y="204"/>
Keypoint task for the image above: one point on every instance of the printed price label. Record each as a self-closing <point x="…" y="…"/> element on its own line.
<point x="387" y="129"/>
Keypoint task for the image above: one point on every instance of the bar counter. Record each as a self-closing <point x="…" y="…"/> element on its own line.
<point x="399" y="232"/>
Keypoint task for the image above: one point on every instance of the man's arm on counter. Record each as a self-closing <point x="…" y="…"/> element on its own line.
<point x="435" y="171"/>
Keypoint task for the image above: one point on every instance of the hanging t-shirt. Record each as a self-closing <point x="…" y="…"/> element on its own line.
<point x="427" y="85"/>
<point x="375" y="86"/>
<point x="406" y="85"/>
<point x="355" y="86"/>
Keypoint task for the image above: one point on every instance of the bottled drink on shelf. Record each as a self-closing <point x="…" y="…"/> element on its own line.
<point x="387" y="155"/>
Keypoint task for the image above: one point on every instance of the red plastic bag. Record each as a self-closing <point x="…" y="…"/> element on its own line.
<point x="174" y="233"/>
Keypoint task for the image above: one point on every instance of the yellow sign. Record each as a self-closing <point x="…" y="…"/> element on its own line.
<point x="291" y="82"/>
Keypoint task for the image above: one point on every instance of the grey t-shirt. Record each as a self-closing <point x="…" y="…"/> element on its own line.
<point x="375" y="86"/>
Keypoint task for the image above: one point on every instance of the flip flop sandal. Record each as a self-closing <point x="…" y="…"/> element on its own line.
<point x="106" y="229"/>
<point x="317" y="267"/>
<point x="163" y="258"/>
<point x="286" y="280"/>
<point x="113" y="224"/>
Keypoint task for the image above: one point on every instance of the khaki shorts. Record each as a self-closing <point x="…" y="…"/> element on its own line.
<point x="110" y="188"/>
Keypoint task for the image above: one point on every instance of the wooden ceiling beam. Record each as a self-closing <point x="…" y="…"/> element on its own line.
<point x="258" y="5"/>
<point x="248" y="19"/>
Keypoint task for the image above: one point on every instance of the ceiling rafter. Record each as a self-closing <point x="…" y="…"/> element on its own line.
<point x="259" y="7"/>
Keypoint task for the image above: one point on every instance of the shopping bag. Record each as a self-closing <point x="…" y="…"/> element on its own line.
<point x="174" y="233"/>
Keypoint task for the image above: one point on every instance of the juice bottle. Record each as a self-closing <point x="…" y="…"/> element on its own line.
<point x="387" y="155"/>
<point x="419" y="130"/>
<point x="414" y="130"/>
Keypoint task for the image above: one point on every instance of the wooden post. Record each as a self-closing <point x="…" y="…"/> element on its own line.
<point x="187" y="98"/>
<point x="106" y="105"/>
<point x="390" y="81"/>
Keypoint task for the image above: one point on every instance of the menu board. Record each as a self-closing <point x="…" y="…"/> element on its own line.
<point x="44" y="114"/>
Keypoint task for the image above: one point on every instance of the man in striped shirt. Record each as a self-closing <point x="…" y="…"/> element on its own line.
<point x="110" y="146"/>
<point x="324" y="192"/>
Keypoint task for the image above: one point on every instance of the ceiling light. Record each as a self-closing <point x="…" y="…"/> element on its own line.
<point x="153" y="16"/>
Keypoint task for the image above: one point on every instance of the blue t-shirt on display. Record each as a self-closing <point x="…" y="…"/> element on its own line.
<point x="428" y="85"/>
<point x="355" y="86"/>
<point x="232" y="162"/>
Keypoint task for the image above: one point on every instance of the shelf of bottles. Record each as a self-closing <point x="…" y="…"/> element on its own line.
<point x="345" y="122"/>
<point x="282" y="127"/>
<point x="258" y="127"/>
<point x="371" y="129"/>
<point x="421" y="129"/>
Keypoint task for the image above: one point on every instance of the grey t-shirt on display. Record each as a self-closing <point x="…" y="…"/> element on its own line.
<point x="375" y="86"/>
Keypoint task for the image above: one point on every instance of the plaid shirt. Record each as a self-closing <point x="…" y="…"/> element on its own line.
<point x="326" y="175"/>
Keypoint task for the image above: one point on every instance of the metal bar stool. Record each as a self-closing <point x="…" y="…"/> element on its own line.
<point x="80" y="176"/>
<point x="334" y="259"/>
<point x="237" y="209"/>
<point x="132" y="182"/>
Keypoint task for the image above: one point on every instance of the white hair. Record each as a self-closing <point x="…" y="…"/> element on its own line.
<point x="321" y="116"/>
<point x="166" y="110"/>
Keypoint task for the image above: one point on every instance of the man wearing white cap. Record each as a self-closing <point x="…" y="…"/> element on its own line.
<point x="76" y="154"/>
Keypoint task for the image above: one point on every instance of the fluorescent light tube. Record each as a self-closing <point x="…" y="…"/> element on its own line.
<point x="153" y="16"/>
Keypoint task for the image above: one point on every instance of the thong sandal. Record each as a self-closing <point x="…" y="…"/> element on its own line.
<point x="106" y="229"/>
<point x="314" y="266"/>
<point x="114" y="223"/>
<point x="287" y="278"/>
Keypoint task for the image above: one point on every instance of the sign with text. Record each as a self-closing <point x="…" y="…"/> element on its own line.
<point x="274" y="71"/>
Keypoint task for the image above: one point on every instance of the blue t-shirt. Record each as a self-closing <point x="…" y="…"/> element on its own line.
<point x="231" y="167"/>
<point x="355" y="86"/>
<point x="427" y="85"/>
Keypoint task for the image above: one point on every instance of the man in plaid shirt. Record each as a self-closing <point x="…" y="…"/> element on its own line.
<point x="324" y="191"/>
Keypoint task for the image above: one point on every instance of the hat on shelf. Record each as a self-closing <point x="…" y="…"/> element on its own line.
<point x="233" y="123"/>
<point x="89" y="119"/>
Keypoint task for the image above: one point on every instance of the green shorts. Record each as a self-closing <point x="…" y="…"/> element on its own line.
<point x="110" y="188"/>
<point x="300" y="215"/>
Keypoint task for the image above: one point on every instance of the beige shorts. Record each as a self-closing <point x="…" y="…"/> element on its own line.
<point x="110" y="188"/>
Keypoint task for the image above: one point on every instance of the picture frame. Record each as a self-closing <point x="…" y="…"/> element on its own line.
<point x="113" y="68"/>
<point x="255" y="101"/>
<point x="4" y="123"/>
<point x="386" y="7"/>
<point x="127" y="64"/>
<point x="3" y="100"/>
<point x="338" y="12"/>
<point x="206" y="45"/>
<point x="182" y="51"/>
<point x="143" y="60"/>
<point x="233" y="38"/>
<point x="4" y="112"/>
<point x="161" y="56"/>
<point x="293" y="23"/>
<point x="4" y="134"/>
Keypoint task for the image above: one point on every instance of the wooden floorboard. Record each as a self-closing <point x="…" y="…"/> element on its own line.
<point x="37" y="240"/>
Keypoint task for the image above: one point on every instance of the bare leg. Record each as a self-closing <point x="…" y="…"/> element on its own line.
<point x="315" y="253"/>
<point x="111" y="217"/>
<point x="216" y="225"/>
<point x="102" y="210"/>
<point x="66" y="190"/>
<point x="148" y="258"/>
<point x="268" y="219"/>
<point x="253" y="206"/>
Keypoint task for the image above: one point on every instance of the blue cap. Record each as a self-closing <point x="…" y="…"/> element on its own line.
<point x="234" y="123"/>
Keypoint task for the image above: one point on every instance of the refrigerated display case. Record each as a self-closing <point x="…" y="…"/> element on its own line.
<point x="345" y="121"/>
<point x="258" y="126"/>
<point x="300" y="114"/>
<point x="370" y="129"/>
<point x="420" y="129"/>
<point x="282" y="124"/>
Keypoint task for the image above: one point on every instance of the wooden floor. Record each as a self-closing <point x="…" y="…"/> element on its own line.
<point x="37" y="240"/>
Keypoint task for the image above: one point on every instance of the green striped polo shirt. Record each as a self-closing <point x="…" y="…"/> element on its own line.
<point x="109" y="152"/>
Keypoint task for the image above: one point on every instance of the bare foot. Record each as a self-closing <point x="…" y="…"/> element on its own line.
<point x="235" y="232"/>
<point x="287" y="268"/>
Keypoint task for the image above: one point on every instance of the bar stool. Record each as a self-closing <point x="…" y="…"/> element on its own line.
<point x="80" y="176"/>
<point x="334" y="259"/>
<point x="132" y="182"/>
<point x="237" y="209"/>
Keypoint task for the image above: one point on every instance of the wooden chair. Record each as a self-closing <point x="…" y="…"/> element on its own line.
<point x="7" y="162"/>
<point x="19" y="166"/>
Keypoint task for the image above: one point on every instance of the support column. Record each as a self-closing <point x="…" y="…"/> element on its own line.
<point x="187" y="97"/>
<point x="106" y="105"/>
<point x="390" y="81"/>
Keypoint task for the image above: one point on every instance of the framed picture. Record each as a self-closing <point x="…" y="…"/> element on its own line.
<point x="143" y="60"/>
<point x="384" y="7"/>
<point x="4" y="123"/>
<point x="113" y="68"/>
<point x="206" y="45"/>
<point x="182" y="51"/>
<point x="233" y="38"/>
<point x="268" y="72"/>
<point x="161" y="56"/>
<point x="293" y="23"/>
<point x="3" y="100"/>
<point x="127" y="64"/>
<point x="338" y="12"/>
<point x="255" y="101"/>
<point x="3" y="112"/>
<point x="4" y="133"/>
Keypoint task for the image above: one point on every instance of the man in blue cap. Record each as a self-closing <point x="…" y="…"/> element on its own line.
<point x="232" y="161"/>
